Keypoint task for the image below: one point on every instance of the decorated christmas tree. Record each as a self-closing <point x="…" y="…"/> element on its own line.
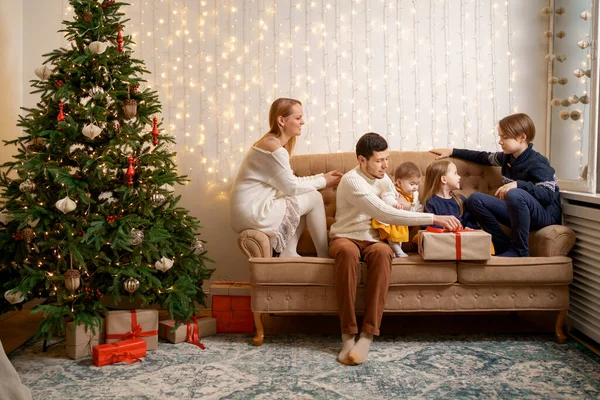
<point x="88" y="198"/>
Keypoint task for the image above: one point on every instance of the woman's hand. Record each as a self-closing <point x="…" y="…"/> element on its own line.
<point x="441" y="153"/>
<point x="333" y="178"/>
<point x="502" y="190"/>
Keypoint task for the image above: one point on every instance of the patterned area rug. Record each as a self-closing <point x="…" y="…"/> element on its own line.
<point x="305" y="367"/>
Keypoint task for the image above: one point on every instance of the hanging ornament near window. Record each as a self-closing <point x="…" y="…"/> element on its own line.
<point x="561" y="34"/>
<point x="548" y="34"/>
<point x="561" y="58"/>
<point x="130" y="108"/>
<point x="575" y="115"/>
<point x="546" y="10"/>
<point x="565" y="103"/>
<point x="131" y="284"/>
<point x="72" y="279"/>
<point x="550" y="57"/>
<point x="579" y="72"/>
<point x="555" y="102"/>
<point x="66" y="205"/>
<point x="553" y="80"/>
<point x="583" y="44"/>
<point x="564" y="115"/>
<point x="91" y="131"/>
<point x="584" y="99"/>
<point x="61" y="115"/>
<point x="43" y="73"/>
<point x="585" y="15"/>
<point x="573" y="99"/>
<point x="560" y="11"/>
<point x="14" y="297"/>
<point x="136" y="237"/>
<point x="563" y="81"/>
<point x="155" y="131"/>
<point x="36" y="145"/>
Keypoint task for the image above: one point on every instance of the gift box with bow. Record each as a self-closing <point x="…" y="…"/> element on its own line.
<point x="129" y="324"/>
<point x="128" y="351"/>
<point x="231" y="307"/>
<point x="190" y="331"/>
<point x="79" y="340"/>
<point x="435" y="244"/>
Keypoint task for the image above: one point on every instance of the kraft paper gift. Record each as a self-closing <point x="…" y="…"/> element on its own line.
<point x="473" y="245"/>
<point x="128" y="324"/>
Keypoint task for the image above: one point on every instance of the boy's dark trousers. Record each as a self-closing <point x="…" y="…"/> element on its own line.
<point x="519" y="210"/>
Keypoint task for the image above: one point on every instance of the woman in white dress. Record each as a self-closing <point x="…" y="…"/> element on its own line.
<point x="267" y="196"/>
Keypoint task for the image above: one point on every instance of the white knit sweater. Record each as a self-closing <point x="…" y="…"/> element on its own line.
<point x="263" y="181"/>
<point x="358" y="200"/>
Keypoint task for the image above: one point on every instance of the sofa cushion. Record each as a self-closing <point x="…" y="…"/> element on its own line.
<point x="522" y="270"/>
<point x="414" y="270"/>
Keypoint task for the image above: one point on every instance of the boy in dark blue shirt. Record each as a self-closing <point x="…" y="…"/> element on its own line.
<point x="529" y="199"/>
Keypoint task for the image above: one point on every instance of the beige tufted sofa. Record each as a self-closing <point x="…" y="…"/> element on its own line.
<point x="306" y="285"/>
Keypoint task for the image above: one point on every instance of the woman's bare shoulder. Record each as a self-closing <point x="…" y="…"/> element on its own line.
<point x="268" y="143"/>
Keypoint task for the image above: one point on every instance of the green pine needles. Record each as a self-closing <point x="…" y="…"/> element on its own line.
<point x="88" y="196"/>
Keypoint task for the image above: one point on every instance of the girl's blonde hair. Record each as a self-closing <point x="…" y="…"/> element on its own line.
<point x="282" y="107"/>
<point x="433" y="181"/>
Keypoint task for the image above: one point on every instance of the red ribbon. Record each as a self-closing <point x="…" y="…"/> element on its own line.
<point x="193" y="332"/>
<point x="125" y="356"/>
<point x="458" y="243"/>
<point x="136" y="330"/>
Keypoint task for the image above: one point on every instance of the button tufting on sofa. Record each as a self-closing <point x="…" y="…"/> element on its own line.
<point x="512" y="296"/>
<point x="531" y="295"/>
<point x="494" y="295"/>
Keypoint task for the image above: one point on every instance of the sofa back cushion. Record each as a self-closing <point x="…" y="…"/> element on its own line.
<point x="475" y="177"/>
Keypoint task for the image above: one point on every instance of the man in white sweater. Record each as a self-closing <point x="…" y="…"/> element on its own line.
<point x="357" y="202"/>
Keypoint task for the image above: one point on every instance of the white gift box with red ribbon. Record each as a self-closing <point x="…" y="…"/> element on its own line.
<point x="436" y="244"/>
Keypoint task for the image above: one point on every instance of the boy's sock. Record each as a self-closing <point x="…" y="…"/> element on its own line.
<point x="360" y="351"/>
<point x="347" y="345"/>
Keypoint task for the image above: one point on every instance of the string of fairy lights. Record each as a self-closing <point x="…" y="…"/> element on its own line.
<point x="408" y="70"/>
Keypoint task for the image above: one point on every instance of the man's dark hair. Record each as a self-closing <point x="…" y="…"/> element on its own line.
<point x="369" y="143"/>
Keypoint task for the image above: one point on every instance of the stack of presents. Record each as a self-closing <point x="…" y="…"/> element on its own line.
<point x="126" y="335"/>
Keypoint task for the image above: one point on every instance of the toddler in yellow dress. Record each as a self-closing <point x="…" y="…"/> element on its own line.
<point x="405" y="197"/>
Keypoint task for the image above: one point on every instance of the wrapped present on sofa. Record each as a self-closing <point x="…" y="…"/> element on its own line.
<point x="129" y="351"/>
<point x="231" y="307"/>
<point x="190" y="331"/>
<point x="80" y="340"/>
<point x="128" y="324"/>
<point x="435" y="244"/>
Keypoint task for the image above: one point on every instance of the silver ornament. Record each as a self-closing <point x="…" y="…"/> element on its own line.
<point x="136" y="237"/>
<point x="197" y="247"/>
<point x="131" y="284"/>
<point x="27" y="186"/>
<point x="158" y="199"/>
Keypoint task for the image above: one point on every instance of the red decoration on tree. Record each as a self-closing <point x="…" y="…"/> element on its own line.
<point x="131" y="170"/>
<point x="58" y="83"/>
<point x="134" y="88"/>
<point x="155" y="131"/>
<point x="61" y="115"/>
<point x="107" y="3"/>
<point x="112" y="218"/>
<point x="117" y="127"/>
<point x="120" y="40"/>
<point x="17" y="236"/>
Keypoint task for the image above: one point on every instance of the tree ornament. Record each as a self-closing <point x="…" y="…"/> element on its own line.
<point x="36" y="145"/>
<point x="61" y="115"/>
<point x="575" y="115"/>
<point x="27" y="186"/>
<point x="155" y="131"/>
<point x="97" y="47"/>
<point x="14" y="297"/>
<point x="66" y="205"/>
<point x="158" y="199"/>
<point x="27" y="235"/>
<point x="91" y="131"/>
<point x="134" y="88"/>
<point x="120" y="40"/>
<point x="584" y="99"/>
<point x="585" y="15"/>
<point x="130" y="108"/>
<point x="96" y="90"/>
<point x="573" y="99"/>
<point x="197" y="247"/>
<point x="561" y="58"/>
<point x="167" y="187"/>
<point x="583" y="44"/>
<point x="58" y="83"/>
<point x="72" y="279"/>
<point x="564" y="115"/>
<point x="550" y="57"/>
<point x="164" y="264"/>
<point x="131" y="170"/>
<point x="107" y="3"/>
<point x="86" y="18"/>
<point x="117" y="127"/>
<point x="17" y="236"/>
<point x="131" y="284"/>
<point x="548" y="34"/>
<point x="561" y="34"/>
<point x="555" y="102"/>
<point x="588" y="73"/>
<point x="136" y="237"/>
<point x="43" y="73"/>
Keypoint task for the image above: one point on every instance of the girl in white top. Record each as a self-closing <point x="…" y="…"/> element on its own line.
<point x="267" y="196"/>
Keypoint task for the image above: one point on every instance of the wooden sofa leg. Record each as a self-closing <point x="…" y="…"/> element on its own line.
<point x="259" y="337"/>
<point x="560" y="323"/>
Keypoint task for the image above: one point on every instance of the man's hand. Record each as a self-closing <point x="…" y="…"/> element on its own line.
<point x="441" y="153"/>
<point x="333" y="178"/>
<point x="402" y="204"/>
<point x="449" y="222"/>
<point x="502" y="190"/>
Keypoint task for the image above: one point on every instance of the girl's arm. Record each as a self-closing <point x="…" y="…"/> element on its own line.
<point x="431" y="208"/>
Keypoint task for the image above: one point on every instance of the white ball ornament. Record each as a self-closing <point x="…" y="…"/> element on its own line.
<point x="43" y="73"/>
<point x="14" y="297"/>
<point x="555" y="102"/>
<point x="164" y="264"/>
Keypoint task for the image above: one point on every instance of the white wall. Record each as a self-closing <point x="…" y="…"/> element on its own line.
<point x="219" y="106"/>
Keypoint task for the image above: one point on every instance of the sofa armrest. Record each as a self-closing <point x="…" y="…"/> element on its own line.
<point x="255" y="243"/>
<point x="553" y="240"/>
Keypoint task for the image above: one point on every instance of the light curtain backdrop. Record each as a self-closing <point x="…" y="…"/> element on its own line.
<point x="424" y="74"/>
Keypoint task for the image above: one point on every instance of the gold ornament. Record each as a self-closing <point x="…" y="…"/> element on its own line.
<point x="584" y="99"/>
<point x="72" y="279"/>
<point x="560" y="11"/>
<point x="553" y="80"/>
<point x="565" y="103"/>
<point x="561" y="34"/>
<point x="158" y="199"/>
<point x="561" y="58"/>
<point x="131" y="284"/>
<point x="563" y="81"/>
<point x="14" y="297"/>
<point x="583" y="44"/>
<point x="548" y="34"/>
<point x="130" y="108"/>
<point x="588" y="73"/>
<point x="564" y="115"/>
<point x="575" y="115"/>
<point x="585" y="15"/>
<point x="573" y="99"/>
<point x="555" y="102"/>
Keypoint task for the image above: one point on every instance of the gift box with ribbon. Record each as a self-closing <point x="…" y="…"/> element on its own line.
<point x="436" y="244"/>
<point x="79" y="340"/>
<point x="231" y="307"/>
<point x="129" y="324"/>
<point x="191" y="331"/>
<point x="129" y="351"/>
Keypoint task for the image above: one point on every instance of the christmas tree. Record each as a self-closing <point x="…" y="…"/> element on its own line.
<point x="88" y="196"/>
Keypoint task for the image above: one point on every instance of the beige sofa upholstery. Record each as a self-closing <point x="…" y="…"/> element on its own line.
<point x="306" y="285"/>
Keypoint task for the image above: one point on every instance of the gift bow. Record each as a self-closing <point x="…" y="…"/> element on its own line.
<point x="193" y="332"/>
<point x="125" y="356"/>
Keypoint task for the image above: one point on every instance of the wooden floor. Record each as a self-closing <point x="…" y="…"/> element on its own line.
<point x="19" y="326"/>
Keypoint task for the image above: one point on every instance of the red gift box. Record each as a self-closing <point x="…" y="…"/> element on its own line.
<point x="128" y="351"/>
<point x="233" y="314"/>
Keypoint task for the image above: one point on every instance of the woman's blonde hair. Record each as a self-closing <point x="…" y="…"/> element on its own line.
<point x="282" y="107"/>
<point x="433" y="181"/>
<point x="515" y="124"/>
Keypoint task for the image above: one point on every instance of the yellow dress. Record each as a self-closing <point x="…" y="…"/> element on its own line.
<point x="393" y="233"/>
